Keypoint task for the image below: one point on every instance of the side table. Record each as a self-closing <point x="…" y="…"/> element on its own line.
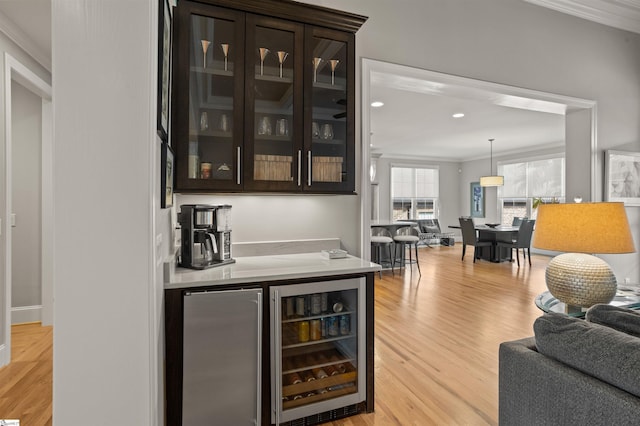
<point x="627" y="296"/>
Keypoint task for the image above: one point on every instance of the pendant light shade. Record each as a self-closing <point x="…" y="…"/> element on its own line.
<point x="491" y="180"/>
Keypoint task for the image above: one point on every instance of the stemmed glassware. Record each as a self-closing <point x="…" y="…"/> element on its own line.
<point x="334" y="64"/>
<point x="205" y="47"/>
<point x="316" y="64"/>
<point x="282" y="56"/>
<point x="225" y="50"/>
<point x="263" y="54"/>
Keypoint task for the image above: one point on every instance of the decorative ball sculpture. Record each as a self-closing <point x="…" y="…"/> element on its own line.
<point x="580" y="279"/>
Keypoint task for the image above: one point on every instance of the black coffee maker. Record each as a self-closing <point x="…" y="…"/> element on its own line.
<point x="206" y="235"/>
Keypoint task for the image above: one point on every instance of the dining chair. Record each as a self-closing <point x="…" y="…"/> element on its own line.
<point x="381" y="237"/>
<point x="521" y="241"/>
<point x="469" y="237"/>
<point x="408" y="236"/>
<point x="517" y="221"/>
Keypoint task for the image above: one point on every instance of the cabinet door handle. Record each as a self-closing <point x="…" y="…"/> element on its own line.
<point x="238" y="162"/>
<point x="299" y="167"/>
<point x="309" y="167"/>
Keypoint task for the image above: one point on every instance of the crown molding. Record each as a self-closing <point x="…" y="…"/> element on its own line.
<point x="622" y="14"/>
<point x="16" y="35"/>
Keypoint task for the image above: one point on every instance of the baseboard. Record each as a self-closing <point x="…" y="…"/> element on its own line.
<point x="24" y="314"/>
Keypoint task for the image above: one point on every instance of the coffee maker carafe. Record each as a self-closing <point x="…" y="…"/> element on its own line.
<point x="206" y="235"/>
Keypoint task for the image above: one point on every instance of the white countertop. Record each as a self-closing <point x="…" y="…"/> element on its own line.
<point x="267" y="268"/>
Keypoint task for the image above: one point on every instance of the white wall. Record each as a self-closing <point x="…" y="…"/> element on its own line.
<point x="8" y="46"/>
<point x="26" y="241"/>
<point x="107" y="319"/>
<point x="523" y="45"/>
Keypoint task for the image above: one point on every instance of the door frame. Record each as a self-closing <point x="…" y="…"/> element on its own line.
<point x="16" y="71"/>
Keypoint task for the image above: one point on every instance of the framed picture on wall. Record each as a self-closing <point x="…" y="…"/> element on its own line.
<point x="166" y="179"/>
<point x="477" y="200"/>
<point x="164" y="72"/>
<point x="622" y="177"/>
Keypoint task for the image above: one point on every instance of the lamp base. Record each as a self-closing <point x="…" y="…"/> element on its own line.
<point x="580" y="279"/>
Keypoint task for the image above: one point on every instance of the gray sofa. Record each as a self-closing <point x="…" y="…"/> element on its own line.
<point x="573" y="371"/>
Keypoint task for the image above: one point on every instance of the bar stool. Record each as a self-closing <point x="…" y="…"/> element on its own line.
<point x="408" y="236"/>
<point x="381" y="237"/>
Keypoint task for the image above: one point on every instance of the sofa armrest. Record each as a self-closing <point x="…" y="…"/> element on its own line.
<point x="535" y="389"/>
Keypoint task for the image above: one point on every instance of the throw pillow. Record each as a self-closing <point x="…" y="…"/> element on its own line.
<point x="621" y="319"/>
<point x="602" y="352"/>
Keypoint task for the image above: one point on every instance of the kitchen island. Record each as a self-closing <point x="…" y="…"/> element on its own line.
<point x="269" y="340"/>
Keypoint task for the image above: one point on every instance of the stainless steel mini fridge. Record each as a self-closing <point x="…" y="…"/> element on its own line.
<point x="222" y="358"/>
<point x="318" y="347"/>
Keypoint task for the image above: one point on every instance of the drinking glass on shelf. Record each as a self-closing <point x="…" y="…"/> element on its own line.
<point x="316" y="64"/>
<point x="204" y="120"/>
<point x="282" y="56"/>
<point x="263" y="51"/>
<point x="327" y="132"/>
<point x="205" y="47"/>
<point x="264" y="127"/>
<point x="225" y="51"/>
<point x="315" y="130"/>
<point x="282" y="127"/>
<point x="334" y="64"/>
<point x="224" y="123"/>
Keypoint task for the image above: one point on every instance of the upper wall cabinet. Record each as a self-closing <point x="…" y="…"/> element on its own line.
<point x="263" y="97"/>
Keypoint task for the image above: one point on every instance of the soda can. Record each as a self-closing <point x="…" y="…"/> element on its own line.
<point x="315" y="333"/>
<point x="333" y="328"/>
<point x="300" y="306"/>
<point x="345" y="327"/>
<point x="316" y="304"/>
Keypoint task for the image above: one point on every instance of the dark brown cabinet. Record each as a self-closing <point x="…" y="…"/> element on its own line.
<point x="263" y="97"/>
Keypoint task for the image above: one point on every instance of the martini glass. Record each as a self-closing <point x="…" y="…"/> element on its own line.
<point x="205" y="47"/>
<point x="282" y="56"/>
<point x="225" y="50"/>
<point x="316" y="64"/>
<point x="263" y="54"/>
<point x="334" y="64"/>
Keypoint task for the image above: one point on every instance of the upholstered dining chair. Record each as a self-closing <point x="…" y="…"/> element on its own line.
<point x="517" y="221"/>
<point x="408" y="236"/>
<point x="381" y="237"/>
<point x="469" y="237"/>
<point x="522" y="241"/>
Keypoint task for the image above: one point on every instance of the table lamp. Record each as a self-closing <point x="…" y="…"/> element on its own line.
<point x="576" y="277"/>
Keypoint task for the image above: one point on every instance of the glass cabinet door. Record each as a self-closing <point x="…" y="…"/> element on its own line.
<point x="211" y="115"/>
<point x="273" y="119"/>
<point x="330" y="154"/>
<point x="317" y="347"/>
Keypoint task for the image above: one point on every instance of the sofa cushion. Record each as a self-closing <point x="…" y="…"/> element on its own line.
<point x="622" y="319"/>
<point x="602" y="352"/>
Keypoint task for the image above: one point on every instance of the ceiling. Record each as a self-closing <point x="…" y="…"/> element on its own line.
<point x="411" y="123"/>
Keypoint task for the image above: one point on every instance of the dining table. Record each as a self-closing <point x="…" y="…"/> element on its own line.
<point x="495" y="234"/>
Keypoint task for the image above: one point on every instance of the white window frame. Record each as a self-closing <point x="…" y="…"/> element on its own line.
<point x="436" y="200"/>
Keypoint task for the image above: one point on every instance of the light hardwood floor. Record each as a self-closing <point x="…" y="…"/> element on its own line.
<point x="436" y="348"/>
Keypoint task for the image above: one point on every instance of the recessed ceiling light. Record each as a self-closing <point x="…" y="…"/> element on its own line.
<point x="377" y="104"/>
<point x="458" y="115"/>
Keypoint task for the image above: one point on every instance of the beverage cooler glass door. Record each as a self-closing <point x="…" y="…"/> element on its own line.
<point x="318" y="347"/>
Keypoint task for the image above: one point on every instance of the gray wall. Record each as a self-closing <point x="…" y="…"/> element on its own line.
<point x="26" y="241"/>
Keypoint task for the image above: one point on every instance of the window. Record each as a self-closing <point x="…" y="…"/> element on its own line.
<point x="526" y="181"/>
<point x="414" y="192"/>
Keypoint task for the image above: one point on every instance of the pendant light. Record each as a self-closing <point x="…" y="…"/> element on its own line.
<point x="491" y="180"/>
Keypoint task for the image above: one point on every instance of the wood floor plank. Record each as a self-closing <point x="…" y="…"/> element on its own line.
<point x="436" y="344"/>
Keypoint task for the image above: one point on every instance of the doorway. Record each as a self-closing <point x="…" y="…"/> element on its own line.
<point x="580" y="122"/>
<point x="16" y="73"/>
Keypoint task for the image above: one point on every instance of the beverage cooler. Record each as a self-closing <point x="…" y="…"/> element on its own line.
<point x="318" y="348"/>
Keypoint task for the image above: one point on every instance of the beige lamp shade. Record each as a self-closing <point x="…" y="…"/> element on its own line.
<point x="583" y="228"/>
<point x="491" y="180"/>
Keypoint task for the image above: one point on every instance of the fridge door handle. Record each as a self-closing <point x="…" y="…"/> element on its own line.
<point x="259" y="358"/>
<point x="278" y="362"/>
